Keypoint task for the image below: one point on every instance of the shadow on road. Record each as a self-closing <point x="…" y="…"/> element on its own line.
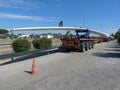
<point x="112" y="51"/>
<point x="114" y="47"/>
<point x="29" y="72"/>
<point x="117" y="50"/>
<point x="70" y="51"/>
<point x="107" y="55"/>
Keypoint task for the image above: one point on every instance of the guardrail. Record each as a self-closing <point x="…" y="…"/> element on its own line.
<point x="40" y="51"/>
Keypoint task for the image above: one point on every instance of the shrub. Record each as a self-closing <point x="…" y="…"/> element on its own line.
<point x="117" y="35"/>
<point x="20" y="45"/>
<point x="118" y="39"/>
<point x="36" y="43"/>
<point x="42" y="43"/>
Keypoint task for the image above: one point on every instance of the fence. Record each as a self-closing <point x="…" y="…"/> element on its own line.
<point x="40" y="51"/>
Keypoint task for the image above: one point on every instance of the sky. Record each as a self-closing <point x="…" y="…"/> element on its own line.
<point x="101" y="15"/>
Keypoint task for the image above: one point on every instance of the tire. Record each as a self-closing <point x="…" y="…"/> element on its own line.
<point x="86" y="46"/>
<point x="90" y="45"/>
<point x="82" y="47"/>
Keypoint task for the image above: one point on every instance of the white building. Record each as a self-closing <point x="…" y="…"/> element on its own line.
<point x="46" y="36"/>
<point x="23" y="36"/>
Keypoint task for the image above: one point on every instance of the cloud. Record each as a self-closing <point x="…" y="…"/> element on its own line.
<point x="18" y="1"/>
<point x="25" y="17"/>
<point x="21" y="4"/>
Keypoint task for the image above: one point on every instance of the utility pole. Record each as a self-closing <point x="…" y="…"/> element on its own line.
<point x="84" y="13"/>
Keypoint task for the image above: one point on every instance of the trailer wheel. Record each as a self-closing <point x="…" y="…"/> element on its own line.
<point x="92" y="44"/>
<point x="82" y="47"/>
<point x="86" y="46"/>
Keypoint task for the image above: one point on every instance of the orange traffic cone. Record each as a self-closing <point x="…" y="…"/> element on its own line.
<point x="34" y="68"/>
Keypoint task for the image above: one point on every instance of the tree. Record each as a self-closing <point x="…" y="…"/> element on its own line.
<point x="112" y="35"/>
<point x="67" y="33"/>
<point x="32" y="35"/>
<point x="117" y="35"/>
<point x="3" y="31"/>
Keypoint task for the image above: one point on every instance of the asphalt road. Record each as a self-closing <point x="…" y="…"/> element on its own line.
<point x="96" y="69"/>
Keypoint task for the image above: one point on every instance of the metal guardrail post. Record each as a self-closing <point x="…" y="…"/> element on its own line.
<point x="48" y="53"/>
<point x="12" y="59"/>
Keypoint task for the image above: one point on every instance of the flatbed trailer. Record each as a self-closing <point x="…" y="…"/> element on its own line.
<point x="81" y="43"/>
